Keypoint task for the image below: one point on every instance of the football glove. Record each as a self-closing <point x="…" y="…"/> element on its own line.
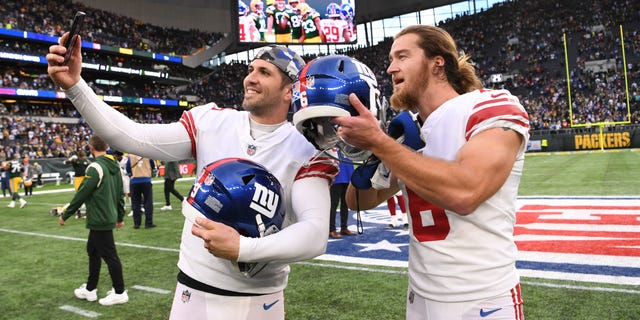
<point x="361" y="177"/>
<point x="405" y="129"/>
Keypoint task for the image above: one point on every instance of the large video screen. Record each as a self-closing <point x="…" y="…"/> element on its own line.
<point x="296" y="21"/>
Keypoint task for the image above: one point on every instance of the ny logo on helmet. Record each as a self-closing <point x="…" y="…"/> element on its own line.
<point x="264" y="201"/>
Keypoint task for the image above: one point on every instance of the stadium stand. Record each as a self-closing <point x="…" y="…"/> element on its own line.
<point x="523" y="54"/>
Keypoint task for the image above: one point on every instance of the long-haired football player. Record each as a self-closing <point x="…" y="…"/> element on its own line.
<point x="461" y="186"/>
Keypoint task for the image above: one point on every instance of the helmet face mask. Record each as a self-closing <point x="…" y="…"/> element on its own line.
<point x="322" y="93"/>
<point x="241" y="194"/>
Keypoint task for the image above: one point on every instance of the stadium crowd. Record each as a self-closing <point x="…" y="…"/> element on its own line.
<point x="104" y="27"/>
<point x="56" y="131"/>
<point x="524" y="55"/>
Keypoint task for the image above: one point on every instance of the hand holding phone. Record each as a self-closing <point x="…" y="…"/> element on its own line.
<point x="72" y="39"/>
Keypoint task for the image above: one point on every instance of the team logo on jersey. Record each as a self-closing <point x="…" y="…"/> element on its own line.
<point x="251" y="149"/>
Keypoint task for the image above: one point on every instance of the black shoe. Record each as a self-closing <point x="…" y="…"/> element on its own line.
<point x="150" y="226"/>
<point x="406" y="227"/>
<point x="136" y="226"/>
<point x="347" y="232"/>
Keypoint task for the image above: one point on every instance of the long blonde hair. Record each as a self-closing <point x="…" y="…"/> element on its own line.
<point x="435" y="41"/>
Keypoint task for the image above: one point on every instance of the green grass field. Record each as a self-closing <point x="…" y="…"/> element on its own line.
<point x="41" y="262"/>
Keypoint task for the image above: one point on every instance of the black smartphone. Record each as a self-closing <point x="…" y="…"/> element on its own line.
<point x="72" y="39"/>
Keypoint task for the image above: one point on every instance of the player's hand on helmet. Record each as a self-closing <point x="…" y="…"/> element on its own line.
<point x="362" y="131"/>
<point x="64" y="76"/>
<point x="219" y="239"/>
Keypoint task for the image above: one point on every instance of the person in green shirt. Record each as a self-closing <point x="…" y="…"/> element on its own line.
<point x="101" y="192"/>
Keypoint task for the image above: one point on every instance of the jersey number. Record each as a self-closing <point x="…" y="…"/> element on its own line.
<point x="429" y="222"/>
<point x="331" y="33"/>
<point x="243" y="33"/>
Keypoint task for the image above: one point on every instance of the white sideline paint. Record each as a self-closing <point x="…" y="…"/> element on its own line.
<point x="354" y="268"/>
<point x="593" y="259"/>
<point x="541" y="274"/>
<point x="81" y="239"/>
<point x="150" y="289"/>
<point x="565" y="286"/>
<point x="577" y="258"/>
<point x="531" y="283"/>
<point x="366" y="261"/>
<point x="153" y="181"/>
<point x="82" y="312"/>
<point x="401" y="264"/>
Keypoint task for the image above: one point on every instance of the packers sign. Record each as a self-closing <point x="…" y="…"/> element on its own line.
<point x="609" y="140"/>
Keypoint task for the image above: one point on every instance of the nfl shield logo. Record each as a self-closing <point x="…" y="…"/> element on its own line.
<point x="186" y="296"/>
<point x="251" y="149"/>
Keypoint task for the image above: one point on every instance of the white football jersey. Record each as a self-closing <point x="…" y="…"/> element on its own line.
<point x="248" y="32"/>
<point x="333" y="29"/>
<point x="218" y="133"/>
<point x="461" y="258"/>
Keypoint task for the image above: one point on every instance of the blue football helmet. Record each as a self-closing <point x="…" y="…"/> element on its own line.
<point x="333" y="10"/>
<point x="346" y="11"/>
<point x="322" y="93"/>
<point x="241" y="194"/>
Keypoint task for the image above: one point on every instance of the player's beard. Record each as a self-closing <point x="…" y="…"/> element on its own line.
<point x="402" y="100"/>
<point x="407" y="97"/>
<point x="262" y="104"/>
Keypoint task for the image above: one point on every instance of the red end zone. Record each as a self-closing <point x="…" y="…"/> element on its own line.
<point x="589" y="225"/>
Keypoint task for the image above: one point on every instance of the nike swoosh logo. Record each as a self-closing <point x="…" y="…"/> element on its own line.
<point x="268" y="306"/>
<point x="486" y="313"/>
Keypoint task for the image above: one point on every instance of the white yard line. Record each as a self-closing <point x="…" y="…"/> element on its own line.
<point x="78" y="311"/>
<point x="150" y="289"/>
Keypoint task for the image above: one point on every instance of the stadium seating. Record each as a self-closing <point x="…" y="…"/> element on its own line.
<point x="524" y="55"/>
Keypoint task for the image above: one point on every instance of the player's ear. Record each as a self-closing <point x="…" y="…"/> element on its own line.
<point x="438" y="65"/>
<point x="287" y="87"/>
